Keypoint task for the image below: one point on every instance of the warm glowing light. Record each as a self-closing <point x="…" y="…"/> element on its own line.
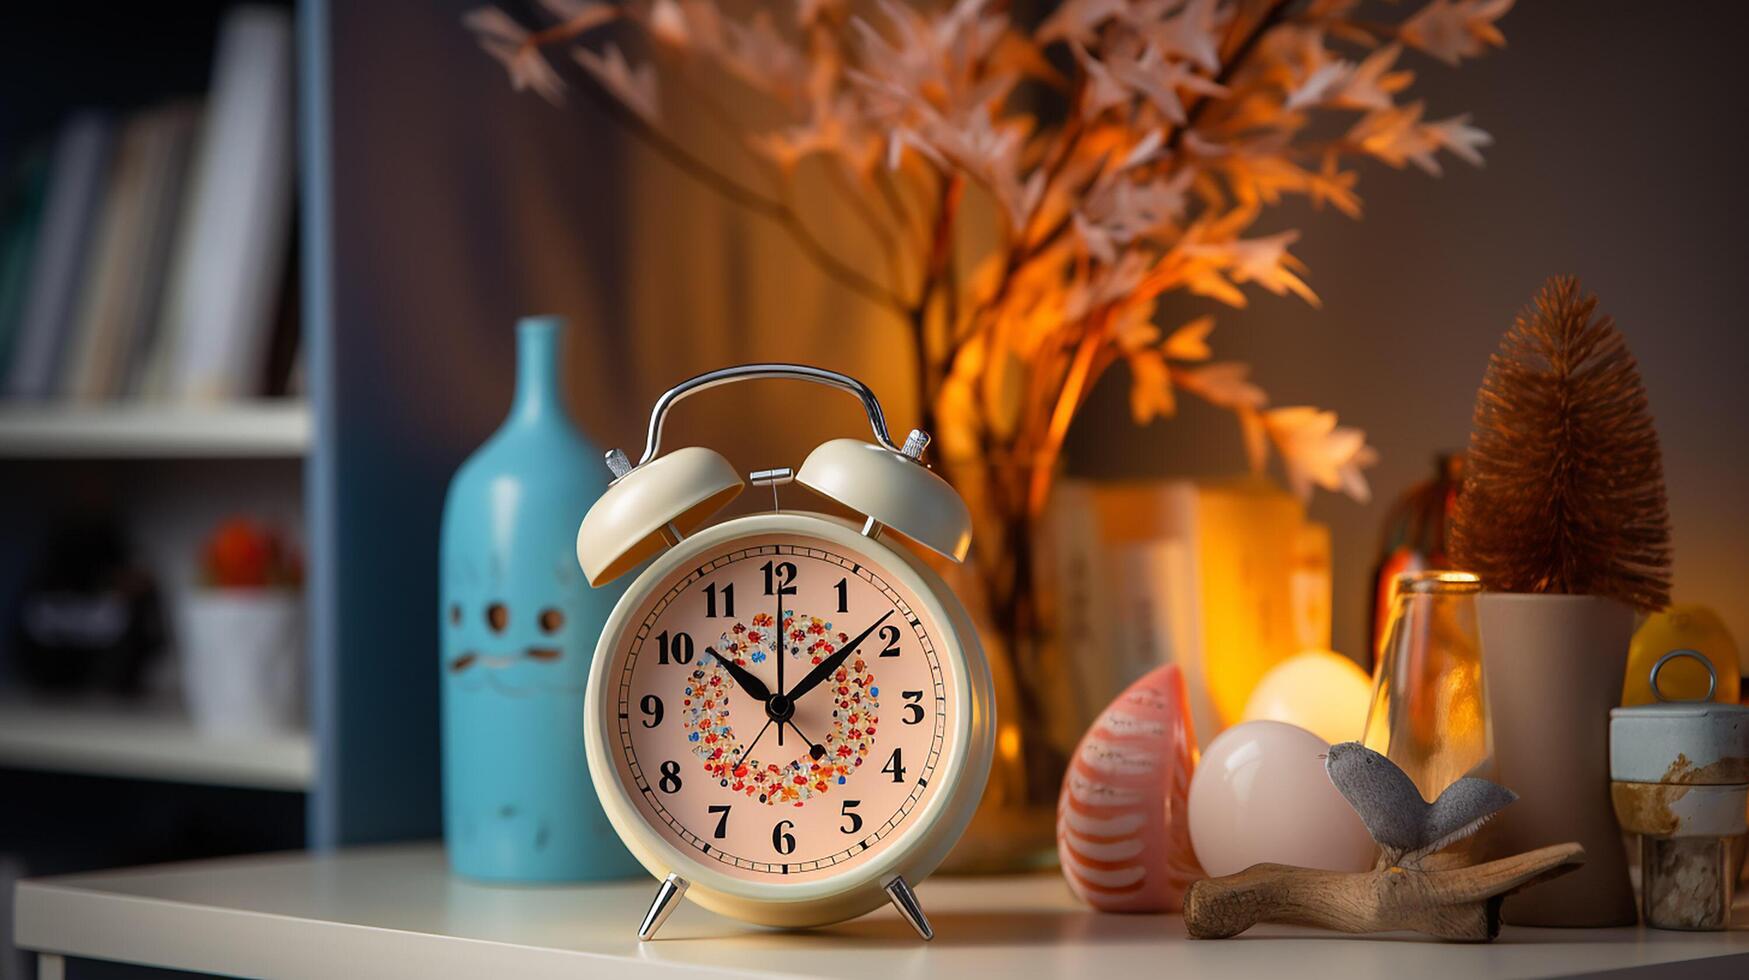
<point x="1319" y="690"/>
<point x="1249" y="534"/>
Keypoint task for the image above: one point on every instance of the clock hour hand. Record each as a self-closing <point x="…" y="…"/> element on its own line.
<point x="745" y="679"/>
<point x="832" y="663"/>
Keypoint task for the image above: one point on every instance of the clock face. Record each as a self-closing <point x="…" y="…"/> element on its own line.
<point x="782" y="705"/>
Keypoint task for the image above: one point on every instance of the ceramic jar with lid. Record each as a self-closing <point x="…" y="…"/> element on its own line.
<point x="1679" y="775"/>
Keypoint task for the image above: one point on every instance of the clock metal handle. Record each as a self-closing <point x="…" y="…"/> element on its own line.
<point x="877" y="420"/>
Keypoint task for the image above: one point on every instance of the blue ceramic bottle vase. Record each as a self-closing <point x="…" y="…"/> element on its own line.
<point x="519" y="626"/>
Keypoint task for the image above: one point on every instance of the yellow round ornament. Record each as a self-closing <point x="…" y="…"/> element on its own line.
<point x="1682" y="627"/>
<point x="1321" y="691"/>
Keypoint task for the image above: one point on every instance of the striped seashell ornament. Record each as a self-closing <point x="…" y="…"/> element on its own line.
<point x="1123" y="831"/>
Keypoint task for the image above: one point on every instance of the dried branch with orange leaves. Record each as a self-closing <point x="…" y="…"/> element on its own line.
<point x="1125" y="148"/>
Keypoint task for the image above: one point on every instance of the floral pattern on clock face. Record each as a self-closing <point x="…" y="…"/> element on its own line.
<point x="806" y="643"/>
<point x="782" y="707"/>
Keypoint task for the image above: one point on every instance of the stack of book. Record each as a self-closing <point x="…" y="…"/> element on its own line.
<point x="144" y="257"/>
<point x="1225" y="578"/>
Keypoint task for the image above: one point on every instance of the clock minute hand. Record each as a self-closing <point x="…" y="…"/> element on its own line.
<point x="833" y="662"/>
<point x="744" y="678"/>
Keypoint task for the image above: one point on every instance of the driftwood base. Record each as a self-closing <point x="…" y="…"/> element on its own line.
<point x="1459" y="903"/>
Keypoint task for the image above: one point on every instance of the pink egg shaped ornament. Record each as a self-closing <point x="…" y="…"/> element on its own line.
<point x="1123" y="836"/>
<point x="1261" y="794"/>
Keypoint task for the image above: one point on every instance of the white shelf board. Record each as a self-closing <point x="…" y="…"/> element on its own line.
<point x="398" y="912"/>
<point x="139" y="743"/>
<point x="279" y="428"/>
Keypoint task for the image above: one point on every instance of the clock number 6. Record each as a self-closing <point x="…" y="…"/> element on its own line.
<point x="855" y="818"/>
<point x="722" y="812"/>
<point x="670" y="781"/>
<point x="782" y="840"/>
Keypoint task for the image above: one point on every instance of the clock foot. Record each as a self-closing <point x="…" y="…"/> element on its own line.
<point x="667" y="897"/>
<point x="905" y="900"/>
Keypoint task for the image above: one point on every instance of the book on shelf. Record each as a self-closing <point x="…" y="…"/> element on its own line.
<point x="78" y="171"/>
<point x="1224" y="578"/>
<point x="126" y="277"/>
<point x="225" y="277"/>
<point x="155" y="267"/>
<point x="20" y="211"/>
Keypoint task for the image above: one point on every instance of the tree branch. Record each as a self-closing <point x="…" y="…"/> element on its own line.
<point x="1271" y="17"/>
<point x="746" y="197"/>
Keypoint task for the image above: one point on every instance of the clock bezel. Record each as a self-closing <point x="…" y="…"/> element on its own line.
<point x="916" y="850"/>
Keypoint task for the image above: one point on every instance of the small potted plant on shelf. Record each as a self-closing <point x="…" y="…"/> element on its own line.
<point x="241" y="633"/>
<point x="1563" y="516"/>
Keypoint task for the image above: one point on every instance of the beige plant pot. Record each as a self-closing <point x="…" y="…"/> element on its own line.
<point x="1554" y="668"/>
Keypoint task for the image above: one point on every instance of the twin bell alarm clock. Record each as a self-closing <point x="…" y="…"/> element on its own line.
<point x="789" y="718"/>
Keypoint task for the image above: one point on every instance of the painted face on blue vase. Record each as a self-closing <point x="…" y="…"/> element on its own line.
<point x="515" y="642"/>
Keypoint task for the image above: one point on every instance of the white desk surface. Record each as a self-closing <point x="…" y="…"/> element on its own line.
<point x="397" y="912"/>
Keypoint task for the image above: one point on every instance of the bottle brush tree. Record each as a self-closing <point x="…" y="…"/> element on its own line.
<point x="1564" y="483"/>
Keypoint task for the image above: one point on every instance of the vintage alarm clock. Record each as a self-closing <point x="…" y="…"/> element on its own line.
<point x="789" y="716"/>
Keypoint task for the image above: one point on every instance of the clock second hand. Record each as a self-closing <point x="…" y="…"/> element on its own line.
<point x="777" y="637"/>
<point x="744" y="752"/>
<point x="815" y="749"/>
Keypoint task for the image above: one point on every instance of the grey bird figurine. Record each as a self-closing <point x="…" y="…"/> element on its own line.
<point x="1460" y="902"/>
<point x="1406" y="827"/>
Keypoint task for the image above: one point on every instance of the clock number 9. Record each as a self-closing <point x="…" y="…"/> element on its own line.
<point x="670" y="781"/>
<point x="913" y="707"/>
<point x="782" y="840"/>
<point x="678" y="650"/>
<point x="890" y="636"/>
<point x="652" y="706"/>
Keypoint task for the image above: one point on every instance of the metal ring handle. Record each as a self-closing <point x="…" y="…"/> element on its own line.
<point x="1712" y="676"/>
<point x="753" y="372"/>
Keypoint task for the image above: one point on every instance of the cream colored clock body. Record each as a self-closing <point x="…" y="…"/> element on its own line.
<point x="664" y="795"/>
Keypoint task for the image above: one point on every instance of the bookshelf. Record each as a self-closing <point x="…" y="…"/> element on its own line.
<point x="245" y="430"/>
<point x="148" y="742"/>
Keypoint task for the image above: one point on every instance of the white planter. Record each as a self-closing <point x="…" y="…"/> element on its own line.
<point x="242" y="660"/>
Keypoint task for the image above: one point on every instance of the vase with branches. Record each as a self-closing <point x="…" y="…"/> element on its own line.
<point x="1035" y="182"/>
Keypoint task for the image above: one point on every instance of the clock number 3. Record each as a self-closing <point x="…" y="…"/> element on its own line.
<point x="913" y="706"/>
